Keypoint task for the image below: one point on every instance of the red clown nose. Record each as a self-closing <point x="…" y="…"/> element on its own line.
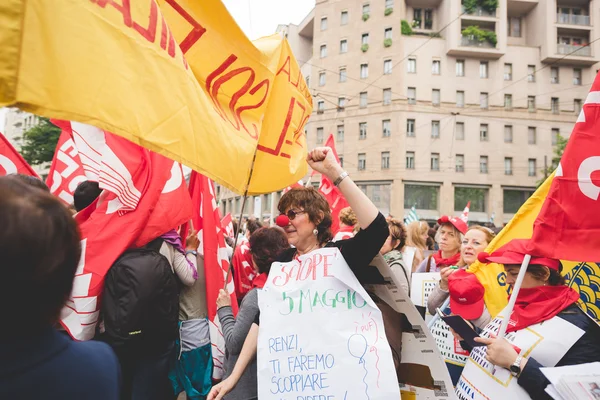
<point x="282" y="221"/>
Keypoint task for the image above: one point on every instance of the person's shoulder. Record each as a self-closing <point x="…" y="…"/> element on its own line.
<point x="579" y="318"/>
<point x="97" y="354"/>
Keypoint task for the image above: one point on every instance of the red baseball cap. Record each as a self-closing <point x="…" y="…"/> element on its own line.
<point x="513" y="253"/>
<point x="455" y="222"/>
<point x="466" y="294"/>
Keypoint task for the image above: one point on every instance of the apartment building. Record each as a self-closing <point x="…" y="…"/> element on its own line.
<point x="434" y="103"/>
<point x="16" y="123"/>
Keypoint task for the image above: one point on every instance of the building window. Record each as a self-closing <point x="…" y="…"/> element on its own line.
<point x="460" y="67"/>
<point x="319" y="135"/>
<point x="362" y="130"/>
<point x="460" y="163"/>
<point x="344" y="18"/>
<point x="385" y="160"/>
<point x="428" y="18"/>
<point x="366" y="8"/>
<point x="341" y="103"/>
<point x="436" y="67"/>
<point x="514" y="199"/>
<point x="554" y="105"/>
<point x="364" y="39"/>
<point x="323" y="51"/>
<point x="417" y="18"/>
<point x="554" y="136"/>
<point x="508" y="101"/>
<point x="531" y="103"/>
<point x="435" y="129"/>
<point x="323" y="23"/>
<point x="363" y="100"/>
<point x="531" y="73"/>
<point x="483" y="133"/>
<point x="483" y="164"/>
<point x="483" y="100"/>
<point x="364" y="71"/>
<point x="410" y="127"/>
<point x="508" y="169"/>
<point x="362" y="161"/>
<point x="343" y="46"/>
<point x="320" y="106"/>
<point x="341" y="161"/>
<point x="531" y="135"/>
<point x="483" y="69"/>
<point x="340" y="133"/>
<point x="386" y="126"/>
<point x="387" y="97"/>
<point x="508" y="72"/>
<point x="389" y="4"/>
<point x="460" y="131"/>
<point x="435" y="161"/>
<point x="321" y="78"/>
<point x="532" y="164"/>
<point x="387" y="67"/>
<point x="412" y="95"/>
<point x="576" y="76"/>
<point x="411" y="67"/>
<point x="477" y="197"/>
<point x="410" y="160"/>
<point x="577" y="106"/>
<point x="435" y="97"/>
<point x="421" y="197"/>
<point x="342" y="74"/>
<point x="387" y="33"/>
<point x="514" y="27"/>
<point x="554" y="75"/>
<point x="508" y="134"/>
<point x="460" y="98"/>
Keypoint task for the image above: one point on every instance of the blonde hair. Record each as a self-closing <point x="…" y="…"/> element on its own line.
<point x="415" y="231"/>
<point x="347" y="217"/>
<point x="489" y="236"/>
<point x="457" y="234"/>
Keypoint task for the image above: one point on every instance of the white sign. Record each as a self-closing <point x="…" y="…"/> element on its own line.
<point x="546" y="342"/>
<point x="422" y="284"/>
<point x="321" y="336"/>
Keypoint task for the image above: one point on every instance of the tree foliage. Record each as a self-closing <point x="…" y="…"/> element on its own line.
<point x="38" y="143"/>
<point x="559" y="149"/>
<point x="405" y="28"/>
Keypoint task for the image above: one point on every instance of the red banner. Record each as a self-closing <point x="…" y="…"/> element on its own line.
<point x="11" y="161"/>
<point x="227" y="225"/>
<point x="334" y="197"/>
<point x="244" y="269"/>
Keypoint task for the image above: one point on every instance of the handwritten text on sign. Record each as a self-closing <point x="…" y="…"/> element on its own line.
<point x="321" y="336"/>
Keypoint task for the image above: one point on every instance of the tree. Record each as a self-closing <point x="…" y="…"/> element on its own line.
<point x="38" y="143"/>
<point x="559" y="148"/>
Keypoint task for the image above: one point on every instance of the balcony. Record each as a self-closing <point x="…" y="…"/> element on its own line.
<point x="479" y="12"/>
<point x="574" y="50"/>
<point x="469" y="41"/>
<point x="570" y="19"/>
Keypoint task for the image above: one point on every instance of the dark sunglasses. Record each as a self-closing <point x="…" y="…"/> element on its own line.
<point x="291" y="214"/>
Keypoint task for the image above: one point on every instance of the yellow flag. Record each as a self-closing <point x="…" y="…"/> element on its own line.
<point x="583" y="277"/>
<point x="175" y="76"/>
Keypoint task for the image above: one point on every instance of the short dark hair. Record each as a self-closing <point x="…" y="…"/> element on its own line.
<point x="85" y="194"/>
<point x="31" y="181"/>
<point x="266" y="244"/>
<point x="40" y="248"/>
<point x="313" y="202"/>
<point x="253" y="225"/>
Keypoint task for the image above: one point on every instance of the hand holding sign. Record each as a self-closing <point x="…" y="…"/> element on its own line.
<point x="499" y="351"/>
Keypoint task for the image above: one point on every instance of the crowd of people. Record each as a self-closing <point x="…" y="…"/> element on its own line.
<point x="40" y="243"/>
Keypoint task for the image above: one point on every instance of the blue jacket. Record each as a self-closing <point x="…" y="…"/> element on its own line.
<point x="49" y="365"/>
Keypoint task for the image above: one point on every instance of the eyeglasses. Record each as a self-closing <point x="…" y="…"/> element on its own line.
<point x="291" y="214"/>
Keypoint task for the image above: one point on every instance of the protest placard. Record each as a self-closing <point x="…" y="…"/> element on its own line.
<point x="321" y="336"/>
<point x="422" y="284"/>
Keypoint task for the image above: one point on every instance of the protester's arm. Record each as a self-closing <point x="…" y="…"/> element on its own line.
<point x="436" y="298"/>
<point x="185" y="267"/>
<point x="235" y="330"/>
<point x="246" y="356"/>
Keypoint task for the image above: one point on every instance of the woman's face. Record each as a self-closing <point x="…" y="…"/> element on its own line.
<point x="300" y="230"/>
<point x="512" y="271"/>
<point x="449" y="239"/>
<point x="424" y="235"/>
<point x="474" y="243"/>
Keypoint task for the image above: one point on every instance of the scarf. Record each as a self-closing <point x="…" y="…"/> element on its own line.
<point x="535" y="305"/>
<point x="259" y="281"/>
<point x="173" y="238"/>
<point x="445" y="262"/>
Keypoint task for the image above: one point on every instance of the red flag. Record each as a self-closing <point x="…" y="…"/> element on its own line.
<point x="294" y="185"/>
<point x="11" y="161"/>
<point x="134" y="180"/>
<point x="334" y="197"/>
<point x="568" y="225"/>
<point x="227" y="225"/>
<point x="243" y="268"/>
<point x="216" y="261"/>
<point x="66" y="171"/>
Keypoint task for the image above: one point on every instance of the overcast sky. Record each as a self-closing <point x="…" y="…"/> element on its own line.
<point x="257" y="18"/>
